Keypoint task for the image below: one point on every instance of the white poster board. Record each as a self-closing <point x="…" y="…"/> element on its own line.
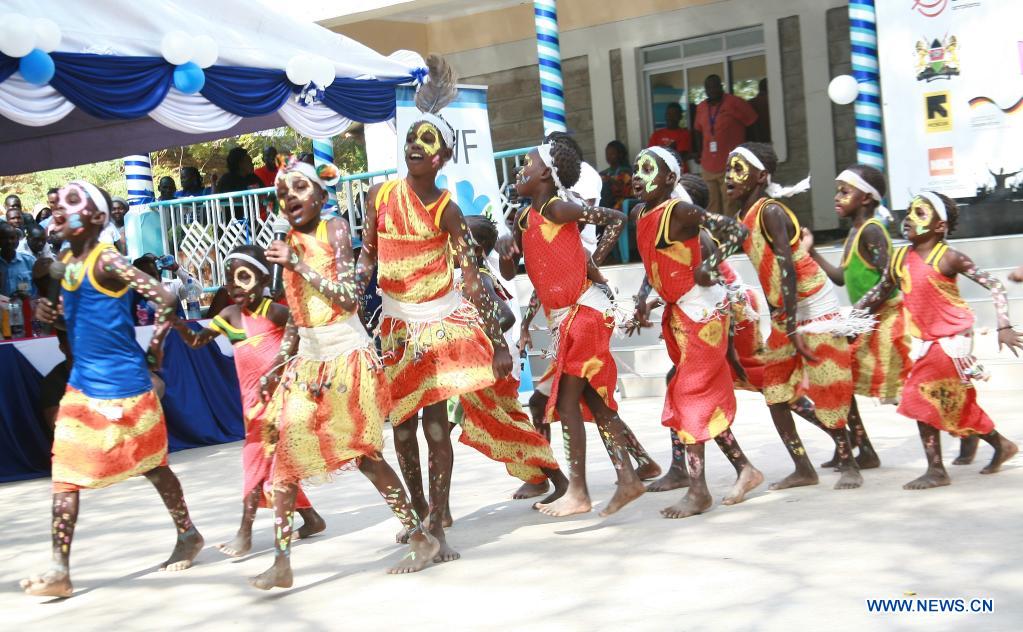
<point x="952" y="86"/>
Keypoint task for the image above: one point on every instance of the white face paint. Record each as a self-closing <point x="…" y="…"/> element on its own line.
<point x="244" y="283"/>
<point x="74" y="201"/>
<point x="647" y="170"/>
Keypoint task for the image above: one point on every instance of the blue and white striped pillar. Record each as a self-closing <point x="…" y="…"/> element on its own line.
<point x="863" y="37"/>
<point x="323" y="152"/>
<point x="138" y="177"/>
<point x="548" y="51"/>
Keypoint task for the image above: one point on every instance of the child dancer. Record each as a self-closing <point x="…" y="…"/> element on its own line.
<point x="681" y="262"/>
<point x="807" y="352"/>
<point x="939" y="393"/>
<point x="329" y="398"/>
<point x="109" y="426"/>
<point x="583" y="371"/>
<point x="254" y="325"/>
<point x="434" y="345"/>
<point x="880" y="358"/>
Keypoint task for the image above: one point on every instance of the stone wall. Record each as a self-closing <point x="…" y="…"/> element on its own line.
<point x="618" y="94"/>
<point x="798" y="164"/>
<point x="842" y="116"/>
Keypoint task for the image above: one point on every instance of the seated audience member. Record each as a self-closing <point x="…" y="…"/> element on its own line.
<point x="239" y="176"/>
<point x="617" y="178"/>
<point x="166" y="188"/>
<point x="268" y="172"/>
<point x="191" y="183"/>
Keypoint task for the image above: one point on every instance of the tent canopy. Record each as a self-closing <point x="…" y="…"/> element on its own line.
<point x="112" y="93"/>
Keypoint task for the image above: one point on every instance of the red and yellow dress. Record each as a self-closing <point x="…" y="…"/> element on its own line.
<point x="579" y="314"/>
<point x="880" y="357"/>
<point x="332" y="401"/>
<point x="433" y="344"/>
<point x="255" y="346"/>
<point x="700" y="402"/>
<point x="938" y="391"/>
<point x="787" y="375"/>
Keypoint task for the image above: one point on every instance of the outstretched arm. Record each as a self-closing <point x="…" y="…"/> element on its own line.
<point x="509" y="248"/>
<point x="835" y="273"/>
<point x="562" y="212"/>
<point x="114" y="269"/>
<point x="195" y="339"/>
<point x="686" y="219"/>
<point x="955" y="262"/>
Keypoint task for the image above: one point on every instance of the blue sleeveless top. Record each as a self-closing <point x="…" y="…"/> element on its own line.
<point x="108" y="362"/>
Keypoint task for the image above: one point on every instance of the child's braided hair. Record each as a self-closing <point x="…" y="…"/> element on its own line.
<point x="567" y="157"/>
<point x="696" y="188"/>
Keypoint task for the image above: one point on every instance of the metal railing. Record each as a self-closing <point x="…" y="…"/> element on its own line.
<point x="201" y="231"/>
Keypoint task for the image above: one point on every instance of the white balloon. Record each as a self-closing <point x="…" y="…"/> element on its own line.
<point x="47" y="34"/>
<point x="299" y="70"/>
<point x="323" y="74"/>
<point x="18" y="36"/>
<point x="204" y="51"/>
<point x="843" y="89"/>
<point x="176" y="47"/>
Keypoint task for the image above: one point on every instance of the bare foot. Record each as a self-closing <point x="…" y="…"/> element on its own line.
<point x="675" y="478"/>
<point x="423" y="548"/>
<point x="529" y="490"/>
<point x="239" y="546"/>
<point x="690" y="505"/>
<point x="188" y="546"/>
<point x="53" y="583"/>
<point x="312" y="523"/>
<point x="967" y="450"/>
<point x="796" y="479"/>
<point x="402" y="536"/>
<point x="749" y="479"/>
<point x="931" y="478"/>
<point x="832" y="464"/>
<point x="444" y="552"/>
<point x="574" y="501"/>
<point x="648" y="471"/>
<point x="625" y="493"/>
<point x="1006" y="450"/>
<point x="850" y="479"/>
<point x="274" y="577"/>
<point x="868" y="459"/>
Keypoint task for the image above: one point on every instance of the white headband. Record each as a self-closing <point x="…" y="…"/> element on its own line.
<point x="241" y="256"/>
<point x="773" y="189"/>
<point x="936" y="203"/>
<point x="852" y="178"/>
<point x="545" y="155"/>
<point x="446" y="131"/>
<point x="94" y="194"/>
<point x="679" y="192"/>
<point x="310" y="172"/>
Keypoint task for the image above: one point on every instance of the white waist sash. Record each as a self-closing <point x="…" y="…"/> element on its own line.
<point x="328" y="342"/>
<point x="701" y="303"/>
<point x="959" y="348"/>
<point x="594" y="298"/>
<point x="428" y="312"/>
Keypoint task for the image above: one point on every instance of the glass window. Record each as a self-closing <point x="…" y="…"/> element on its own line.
<point x="661" y="54"/>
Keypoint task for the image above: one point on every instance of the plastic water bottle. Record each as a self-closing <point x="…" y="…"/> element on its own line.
<point x="17" y="319"/>
<point x="192" y="293"/>
<point x="142" y="314"/>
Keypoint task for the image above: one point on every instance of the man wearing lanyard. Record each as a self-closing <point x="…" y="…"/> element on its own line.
<point x="720" y="127"/>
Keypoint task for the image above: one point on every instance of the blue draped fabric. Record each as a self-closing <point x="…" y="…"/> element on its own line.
<point x="119" y="87"/>
<point x="24" y="448"/>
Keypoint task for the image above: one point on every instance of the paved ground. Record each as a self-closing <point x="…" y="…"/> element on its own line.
<point x="810" y="556"/>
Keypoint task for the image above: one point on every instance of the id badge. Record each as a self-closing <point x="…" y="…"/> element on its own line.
<point x="713" y="147"/>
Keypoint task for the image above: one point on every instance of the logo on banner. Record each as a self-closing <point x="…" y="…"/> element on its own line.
<point x="937" y="60"/>
<point x="939" y="111"/>
<point x="941" y="162"/>
<point x="929" y="8"/>
<point x="985" y="112"/>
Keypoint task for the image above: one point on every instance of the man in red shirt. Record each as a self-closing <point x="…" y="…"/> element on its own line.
<point x="672" y="135"/>
<point x="268" y="172"/>
<point x="721" y="122"/>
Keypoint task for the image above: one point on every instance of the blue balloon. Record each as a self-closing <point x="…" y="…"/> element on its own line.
<point x="37" y="67"/>
<point x="189" y="78"/>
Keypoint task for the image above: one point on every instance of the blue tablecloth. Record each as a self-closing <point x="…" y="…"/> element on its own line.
<point x="202" y="405"/>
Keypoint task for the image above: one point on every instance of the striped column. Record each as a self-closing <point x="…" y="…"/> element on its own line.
<point x="548" y="51"/>
<point x="863" y="36"/>
<point x="323" y="152"/>
<point x="138" y="176"/>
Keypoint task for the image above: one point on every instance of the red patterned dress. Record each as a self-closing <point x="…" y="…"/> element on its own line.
<point x="579" y="314"/>
<point x="787" y="375"/>
<point x="700" y="402"/>
<point x="939" y="391"/>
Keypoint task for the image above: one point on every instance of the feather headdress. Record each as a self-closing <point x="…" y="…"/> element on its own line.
<point x="437" y="92"/>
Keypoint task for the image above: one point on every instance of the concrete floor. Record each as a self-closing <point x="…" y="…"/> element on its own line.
<point x="807" y="557"/>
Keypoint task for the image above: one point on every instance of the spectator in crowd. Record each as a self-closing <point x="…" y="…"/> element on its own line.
<point x="239" y="176"/>
<point x="12" y="212"/>
<point x="42" y="214"/>
<point x="617" y="178"/>
<point x="52" y="199"/>
<point x="35" y="243"/>
<point x="111" y="234"/>
<point x="268" y="172"/>
<point x="760" y="131"/>
<point x="118" y="209"/>
<point x="15" y="267"/>
<point x="672" y="135"/>
<point x="721" y="122"/>
<point x="191" y="183"/>
<point x="154" y="266"/>
<point x="166" y="188"/>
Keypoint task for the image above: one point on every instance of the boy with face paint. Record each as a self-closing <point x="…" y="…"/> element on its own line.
<point x="437" y="343"/>
<point x="681" y="260"/>
<point x="807" y="352"/>
<point x="327" y="396"/>
<point x="939" y="393"/>
<point x="109" y="426"/>
<point x="254" y="325"/>
<point x="580" y="314"/>
<point x="880" y="358"/>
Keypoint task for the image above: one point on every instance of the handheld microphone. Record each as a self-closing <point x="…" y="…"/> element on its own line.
<point x="56" y="275"/>
<point x="280" y="229"/>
